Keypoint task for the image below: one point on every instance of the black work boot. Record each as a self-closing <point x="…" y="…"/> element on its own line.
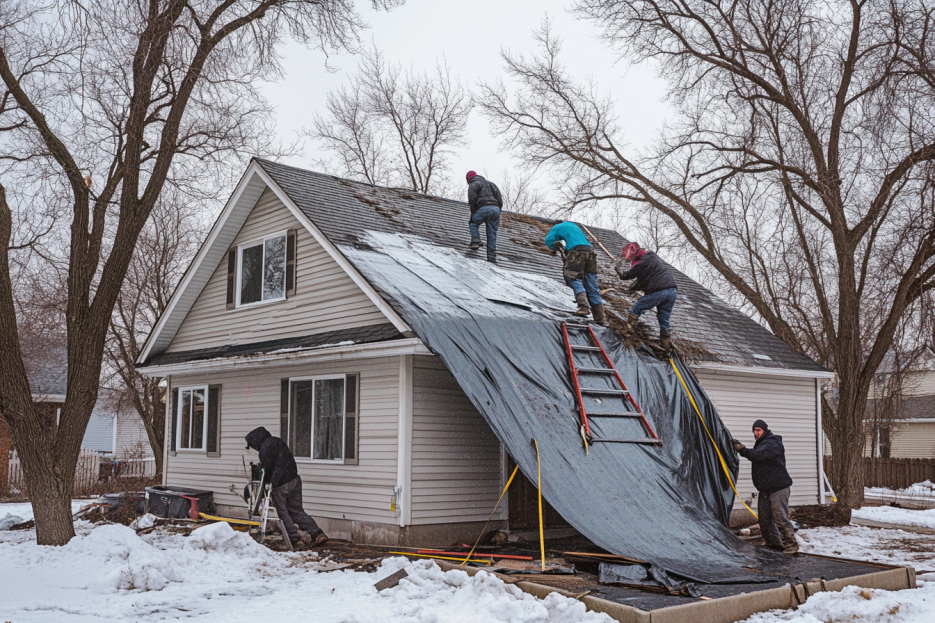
<point x="584" y="308"/>
<point x="599" y="317"/>
<point x="475" y="245"/>
<point x="632" y="320"/>
<point x="491" y="256"/>
<point x="664" y="342"/>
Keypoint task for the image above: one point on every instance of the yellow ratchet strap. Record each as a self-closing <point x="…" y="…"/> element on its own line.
<point x="541" y="530"/>
<point x="716" y="449"/>
<point x="502" y="493"/>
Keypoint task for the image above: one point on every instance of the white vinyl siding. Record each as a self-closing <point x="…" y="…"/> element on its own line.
<point x="251" y="398"/>
<point x="456" y="458"/>
<point x="326" y="298"/>
<point x="132" y="440"/>
<point x="99" y="435"/>
<point x="788" y="406"/>
<point x="913" y="441"/>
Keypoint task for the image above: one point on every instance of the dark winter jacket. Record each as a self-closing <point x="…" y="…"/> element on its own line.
<point x="275" y="457"/>
<point x="769" y="463"/>
<point x="483" y="193"/>
<point x="650" y="272"/>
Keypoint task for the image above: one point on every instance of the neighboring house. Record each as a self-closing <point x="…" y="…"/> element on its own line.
<point x="108" y="432"/>
<point x="910" y="434"/>
<point x="274" y="325"/>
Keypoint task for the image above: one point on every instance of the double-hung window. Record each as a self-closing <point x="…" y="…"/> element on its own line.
<point x="192" y="421"/>
<point x="262" y="270"/>
<point x="322" y="417"/>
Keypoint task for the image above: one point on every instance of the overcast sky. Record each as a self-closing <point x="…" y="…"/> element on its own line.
<point x="470" y="37"/>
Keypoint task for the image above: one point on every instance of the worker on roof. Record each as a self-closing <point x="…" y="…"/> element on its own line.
<point x="773" y="484"/>
<point x="579" y="269"/>
<point x="485" y="201"/>
<point x="655" y="281"/>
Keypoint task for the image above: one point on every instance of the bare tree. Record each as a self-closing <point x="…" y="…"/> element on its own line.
<point x="392" y="128"/>
<point x="521" y="194"/>
<point x="799" y="167"/>
<point x="113" y="100"/>
<point x="163" y="250"/>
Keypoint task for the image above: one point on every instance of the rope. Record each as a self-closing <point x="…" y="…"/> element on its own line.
<point x="541" y="529"/>
<point x="713" y="443"/>
<point x="464" y="562"/>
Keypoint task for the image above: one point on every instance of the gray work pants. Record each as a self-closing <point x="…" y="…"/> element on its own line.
<point x="287" y="499"/>
<point x="772" y="509"/>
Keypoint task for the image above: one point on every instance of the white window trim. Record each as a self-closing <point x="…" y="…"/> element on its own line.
<point x="321" y="377"/>
<point x="178" y="421"/>
<point x="237" y="285"/>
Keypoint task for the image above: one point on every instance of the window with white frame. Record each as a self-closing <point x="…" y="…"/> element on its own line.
<point x="262" y="270"/>
<point x="192" y="423"/>
<point x="317" y="417"/>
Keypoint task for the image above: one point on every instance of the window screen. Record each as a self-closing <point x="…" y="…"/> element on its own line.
<point x="329" y="419"/>
<point x="317" y="424"/>
<point x="251" y="274"/>
<point x="192" y="419"/>
<point x="263" y="271"/>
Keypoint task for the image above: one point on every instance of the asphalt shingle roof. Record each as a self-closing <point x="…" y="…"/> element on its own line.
<point x="47" y="370"/>
<point x="358" y="335"/>
<point x="344" y="210"/>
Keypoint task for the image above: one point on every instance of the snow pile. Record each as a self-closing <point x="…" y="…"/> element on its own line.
<point x="861" y="605"/>
<point x="109" y="573"/>
<point x="892" y="547"/>
<point x="429" y="594"/>
<point x="9" y="520"/>
<point x="145" y="521"/>
<point x="904" y="516"/>
<point x="924" y="489"/>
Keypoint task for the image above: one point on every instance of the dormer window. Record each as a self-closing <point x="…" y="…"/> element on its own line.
<point x="262" y="270"/>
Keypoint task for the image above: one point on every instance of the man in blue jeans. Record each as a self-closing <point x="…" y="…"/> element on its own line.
<point x="485" y="201"/>
<point x="580" y="268"/>
<point x="654" y="279"/>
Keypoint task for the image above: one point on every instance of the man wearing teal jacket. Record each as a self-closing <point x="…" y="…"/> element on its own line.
<point x="580" y="268"/>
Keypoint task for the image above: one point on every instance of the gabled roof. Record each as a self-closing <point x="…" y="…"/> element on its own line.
<point x="346" y="211"/>
<point x="47" y="371"/>
<point x="343" y="215"/>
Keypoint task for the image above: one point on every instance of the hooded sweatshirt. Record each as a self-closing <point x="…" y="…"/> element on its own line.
<point x="768" y="456"/>
<point x="275" y="457"/>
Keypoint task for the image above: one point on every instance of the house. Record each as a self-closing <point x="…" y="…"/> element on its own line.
<point x="282" y="321"/>
<point x="908" y="432"/>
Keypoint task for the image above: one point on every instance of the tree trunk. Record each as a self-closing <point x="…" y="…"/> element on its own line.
<point x="50" y="484"/>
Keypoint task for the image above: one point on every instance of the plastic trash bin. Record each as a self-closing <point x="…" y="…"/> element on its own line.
<point x="171" y="502"/>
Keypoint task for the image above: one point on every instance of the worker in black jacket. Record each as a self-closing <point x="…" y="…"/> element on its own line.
<point x="655" y="281"/>
<point x="485" y="201"/>
<point x="279" y="470"/>
<point x="772" y="482"/>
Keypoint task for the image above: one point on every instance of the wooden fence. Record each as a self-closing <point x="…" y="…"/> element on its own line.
<point x="893" y="473"/>
<point x="87" y="473"/>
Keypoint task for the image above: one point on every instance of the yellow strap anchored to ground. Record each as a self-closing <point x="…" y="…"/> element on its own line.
<point x="502" y="493"/>
<point x="713" y="443"/>
<point x="541" y="529"/>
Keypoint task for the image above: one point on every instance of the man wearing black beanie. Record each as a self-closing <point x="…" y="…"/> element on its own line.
<point x="772" y="482"/>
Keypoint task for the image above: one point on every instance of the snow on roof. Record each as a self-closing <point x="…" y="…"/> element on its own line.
<point x="355" y="216"/>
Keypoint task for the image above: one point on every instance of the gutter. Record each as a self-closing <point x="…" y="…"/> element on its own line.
<point x="804" y="374"/>
<point x="391" y="348"/>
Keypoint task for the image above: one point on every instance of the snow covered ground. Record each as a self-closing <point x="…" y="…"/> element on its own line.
<point x="109" y="573"/>
<point x="904" y="516"/>
<point x="855" y="605"/>
<point x="921" y="493"/>
<point x="23" y="510"/>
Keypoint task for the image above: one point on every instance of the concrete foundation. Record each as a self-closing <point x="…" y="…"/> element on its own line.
<point x="374" y="533"/>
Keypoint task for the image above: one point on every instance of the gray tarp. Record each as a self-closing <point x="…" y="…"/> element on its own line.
<point x="499" y="333"/>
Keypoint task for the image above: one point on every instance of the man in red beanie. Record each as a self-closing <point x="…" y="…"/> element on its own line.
<point x="485" y="201"/>
<point x="655" y="281"/>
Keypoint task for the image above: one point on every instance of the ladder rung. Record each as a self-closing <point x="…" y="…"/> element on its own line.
<point x="593" y="349"/>
<point x="645" y="440"/>
<point x="580" y="327"/>
<point x="594" y="415"/>
<point x="605" y="392"/>
<point x="596" y="370"/>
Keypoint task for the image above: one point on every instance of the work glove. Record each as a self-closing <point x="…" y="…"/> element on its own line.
<point x="737" y="445"/>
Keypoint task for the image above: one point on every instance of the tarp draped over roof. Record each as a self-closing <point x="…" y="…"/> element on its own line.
<point x="498" y="332"/>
